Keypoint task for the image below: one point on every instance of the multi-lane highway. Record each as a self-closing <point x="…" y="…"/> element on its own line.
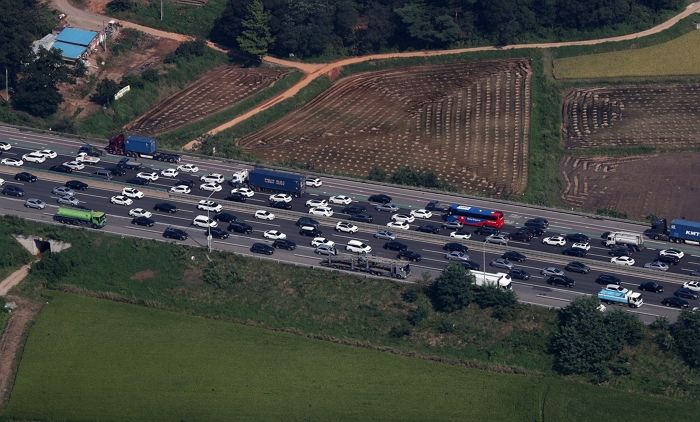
<point x="534" y="290"/>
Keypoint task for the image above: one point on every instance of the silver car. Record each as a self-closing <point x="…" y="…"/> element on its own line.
<point x="386" y="207"/>
<point x="656" y="265"/>
<point x="385" y="235"/>
<point x="502" y="263"/>
<point x="63" y="191"/>
<point x="501" y="239"/>
<point x="68" y="200"/>
<point x="456" y="256"/>
<point x="550" y="271"/>
<point x="35" y="203"/>
<point x="324" y="249"/>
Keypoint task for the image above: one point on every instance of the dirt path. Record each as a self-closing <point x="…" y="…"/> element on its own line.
<point x="13" y="279"/>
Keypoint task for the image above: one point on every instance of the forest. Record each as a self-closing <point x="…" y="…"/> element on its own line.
<point x="309" y="28"/>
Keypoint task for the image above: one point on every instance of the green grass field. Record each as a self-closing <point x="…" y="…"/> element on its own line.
<point x="90" y="359"/>
<point x="680" y="56"/>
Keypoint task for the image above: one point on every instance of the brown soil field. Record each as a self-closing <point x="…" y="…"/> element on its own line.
<point x="662" y="184"/>
<point x="665" y="116"/>
<point x="216" y="90"/>
<point x="467" y="122"/>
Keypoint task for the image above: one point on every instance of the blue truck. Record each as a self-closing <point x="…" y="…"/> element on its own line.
<point x="266" y="180"/>
<point x="140" y="147"/>
<point x="621" y="296"/>
<point x="679" y="231"/>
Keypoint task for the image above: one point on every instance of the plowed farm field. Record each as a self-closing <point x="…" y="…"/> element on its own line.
<point x="661" y="184"/>
<point x="661" y="116"/>
<point x="467" y="122"/>
<point x="216" y="90"/>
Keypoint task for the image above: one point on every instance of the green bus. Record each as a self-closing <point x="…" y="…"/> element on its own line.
<point x="94" y="219"/>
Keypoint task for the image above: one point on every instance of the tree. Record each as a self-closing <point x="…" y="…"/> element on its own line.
<point x="625" y="326"/>
<point x="452" y="290"/>
<point x="492" y="296"/>
<point x="104" y="93"/>
<point x="686" y="335"/>
<point x="255" y="39"/>
<point x="36" y="92"/>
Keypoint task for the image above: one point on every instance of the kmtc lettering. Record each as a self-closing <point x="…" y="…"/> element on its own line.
<point x="689" y="233"/>
<point x="275" y="182"/>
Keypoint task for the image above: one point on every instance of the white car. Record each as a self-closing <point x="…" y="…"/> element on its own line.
<point x="48" y="153"/>
<point x="212" y="178"/>
<point x="74" y="165"/>
<point x="580" y="245"/>
<point x="313" y="203"/>
<point x="499" y="239"/>
<point x="675" y="253"/>
<point x="340" y="200"/>
<point x="83" y="157"/>
<point x="204" y="221"/>
<point x="247" y="192"/>
<point x="622" y="260"/>
<point x="188" y="168"/>
<point x="274" y="235"/>
<point x="2" y="182"/>
<point x="12" y="162"/>
<point x="239" y="177"/>
<point x="280" y="197"/>
<point x="5" y="146"/>
<point x="210" y="187"/>
<point x="322" y="211"/>
<point x="140" y="212"/>
<point x="152" y="176"/>
<point x="132" y="193"/>
<point x="180" y="189"/>
<point x="458" y="235"/>
<point x="398" y="225"/>
<point x="692" y="285"/>
<point x="207" y="205"/>
<point x="264" y="215"/>
<point x="403" y="218"/>
<point x="421" y="213"/>
<point x="346" y="227"/>
<point x="34" y="157"/>
<point x="554" y="241"/>
<point x="169" y="172"/>
<point x="321" y="241"/>
<point x="314" y="182"/>
<point x="121" y="200"/>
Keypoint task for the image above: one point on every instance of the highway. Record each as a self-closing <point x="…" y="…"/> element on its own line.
<point x="534" y="291"/>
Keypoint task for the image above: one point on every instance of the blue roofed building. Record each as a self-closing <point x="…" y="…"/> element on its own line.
<point x="77" y="36"/>
<point x="70" y="51"/>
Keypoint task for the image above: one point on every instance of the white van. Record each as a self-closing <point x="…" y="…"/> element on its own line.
<point x="358" y="247"/>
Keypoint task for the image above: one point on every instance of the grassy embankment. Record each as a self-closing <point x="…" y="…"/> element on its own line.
<point x="95" y="359"/>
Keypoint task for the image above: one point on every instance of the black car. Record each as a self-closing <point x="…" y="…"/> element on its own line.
<point x="537" y="222"/>
<point x="454" y="246"/>
<point x="471" y="265"/>
<point x="428" y="228"/>
<point x="561" y="280"/>
<point x="236" y="197"/>
<point x="307" y="221"/>
<point x="137" y="181"/>
<point x="605" y="278"/>
<point x="143" y="221"/>
<point x="262" y="248"/>
<point x="362" y="218"/>
<point x="116" y="171"/>
<point x="409" y="255"/>
<point x="435" y="206"/>
<point x="165" y="207"/>
<point x="577" y="238"/>
<point x="380" y="198"/>
<point x="577" y="252"/>
<point x="675" y="302"/>
<point x="686" y="293"/>
<point x="532" y="230"/>
<point x="25" y="177"/>
<point x="521" y="236"/>
<point x="354" y="209"/>
<point x="188" y="183"/>
<point x="486" y="231"/>
<point x="668" y="259"/>
<point x="217" y="233"/>
<point x="173" y="233"/>
<point x="284" y="244"/>
<point x="280" y="205"/>
<point x="310" y="231"/>
<point x="651" y="286"/>
<point x="514" y="256"/>
<point x="395" y="246"/>
<point x="90" y="150"/>
<point x="620" y="251"/>
<point x="519" y="274"/>
<point x="76" y="185"/>
<point x="577" y="267"/>
<point x="225" y="217"/>
<point x="240" y="227"/>
<point x="60" y="168"/>
<point x="11" y="190"/>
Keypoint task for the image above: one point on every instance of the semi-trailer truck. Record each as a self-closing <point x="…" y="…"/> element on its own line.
<point x="369" y="264"/>
<point x="501" y="280"/>
<point x="139" y="146"/>
<point x="624" y="238"/>
<point x="267" y="180"/>
<point x="94" y="219"/>
<point x="621" y="297"/>
<point x="680" y="231"/>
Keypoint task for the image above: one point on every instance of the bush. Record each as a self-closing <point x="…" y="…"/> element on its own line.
<point x="452" y="291"/>
<point x="195" y="48"/>
<point x="410" y="295"/>
<point x="134" y="81"/>
<point x="491" y="296"/>
<point x="399" y="331"/>
<point x="52" y="268"/>
<point x="104" y="94"/>
<point x="116" y="6"/>
<point x="686" y="335"/>
<point x="418" y="315"/>
<point x="150" y="75"/>
<point x="421" y="178"/>
<point x="377" y="174"/>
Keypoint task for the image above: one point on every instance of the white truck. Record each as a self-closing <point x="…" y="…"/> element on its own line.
<point x="501" y="280"/>
<point x="624" y="238"/>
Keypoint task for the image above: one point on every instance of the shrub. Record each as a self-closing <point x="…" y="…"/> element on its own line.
<point x="686" y="335"/>
<point x="452" y="290"/>
<point x="195" y="48"/>
<point x="491" y="296"/>
<point x="418" y="315"/>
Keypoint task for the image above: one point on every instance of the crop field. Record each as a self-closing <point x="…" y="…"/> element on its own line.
<point x="90" y="359"/>
<point x="679" y="56"/>
<point x="216" y="90"/>
<point x="661" y="184"/>
<point x="661" y="116"/>
<point x="467" y="122"/>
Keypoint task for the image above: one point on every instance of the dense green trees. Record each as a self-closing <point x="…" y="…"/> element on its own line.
<point x="36" y="91"/>
<point x="315" y="27"/>
<point x="452" y="291"/>
<point x="255" y="36"/>
<point x="686" y="335"/>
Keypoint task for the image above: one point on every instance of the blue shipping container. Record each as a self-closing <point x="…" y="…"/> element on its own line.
<point x="685" y="229"/>
<point x="276" y="181"/>
<point x="140" y="144"/>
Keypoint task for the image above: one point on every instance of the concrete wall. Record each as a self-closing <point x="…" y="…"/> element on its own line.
<point x="36" y="245"/>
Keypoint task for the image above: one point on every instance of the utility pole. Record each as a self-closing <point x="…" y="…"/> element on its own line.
<point x="161" y="10"/>
<point x="484" y="249"/>
<point x="7" y="86"/>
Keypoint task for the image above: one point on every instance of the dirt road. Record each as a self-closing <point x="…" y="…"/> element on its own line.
<point x="13" y="279"/>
